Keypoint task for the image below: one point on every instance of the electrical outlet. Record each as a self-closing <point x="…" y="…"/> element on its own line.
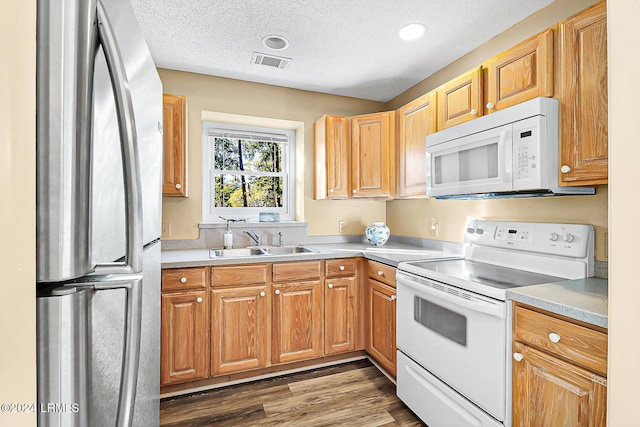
<point x="166" y="229"/>
<point x="341" y="226"/>
<point x="434" y="227"/>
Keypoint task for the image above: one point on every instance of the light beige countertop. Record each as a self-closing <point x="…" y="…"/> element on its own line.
<point x="581" y="299"/>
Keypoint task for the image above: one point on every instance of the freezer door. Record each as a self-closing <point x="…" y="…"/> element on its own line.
<point x="108" y="200"/>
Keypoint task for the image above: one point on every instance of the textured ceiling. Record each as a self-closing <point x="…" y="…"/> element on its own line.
<point x="341" y="47"/>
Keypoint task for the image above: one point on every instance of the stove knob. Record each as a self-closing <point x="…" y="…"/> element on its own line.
<point x="554" y="237"/>
<point x="569" y="237"/>
<point x="471" y="230"/>
<point x="479" y="231"/>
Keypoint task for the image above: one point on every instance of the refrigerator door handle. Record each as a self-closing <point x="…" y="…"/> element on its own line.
<point x="129" y="149"/>
<point x="132" y="331"/>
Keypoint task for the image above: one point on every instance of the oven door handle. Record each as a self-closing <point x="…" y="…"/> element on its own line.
<point x="425" y="286"/>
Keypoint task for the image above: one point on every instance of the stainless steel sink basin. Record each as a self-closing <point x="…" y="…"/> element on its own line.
<point x="259" y="250"/>
<point x="233" y="253"/>
<point x="287" y="250"/>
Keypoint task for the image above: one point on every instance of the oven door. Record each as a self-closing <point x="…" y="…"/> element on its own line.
<point x="456" y="335"/>
<point x="478" y="163"/>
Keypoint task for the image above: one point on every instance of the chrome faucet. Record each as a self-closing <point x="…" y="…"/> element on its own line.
<point x="254" y="236"/>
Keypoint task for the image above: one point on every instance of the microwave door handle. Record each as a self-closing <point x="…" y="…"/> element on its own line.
<point x="508" y="152"/>
<point x="129" y="150"/>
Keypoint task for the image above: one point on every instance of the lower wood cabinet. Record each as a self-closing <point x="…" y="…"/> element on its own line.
<point x="297" y="321"/>
<point x="340" y="308"/>
<point x="380" y="312"/>
<point x="184" y="346"/>
<point x="559" y="371"/>
<point x="239" y="329"/>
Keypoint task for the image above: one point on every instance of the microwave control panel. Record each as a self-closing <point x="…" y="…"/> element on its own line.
<point x="526" y="153"/>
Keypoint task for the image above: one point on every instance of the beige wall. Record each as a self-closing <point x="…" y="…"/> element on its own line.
<point x="214" y="94"/>
<point x="624" y="212"/>
<point x="413" y="217"/>
<point x="17" y="185"/>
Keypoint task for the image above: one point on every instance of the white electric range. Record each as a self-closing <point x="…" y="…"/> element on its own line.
<point x="453" y="321"/>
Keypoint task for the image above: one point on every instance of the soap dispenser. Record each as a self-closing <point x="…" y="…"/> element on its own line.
<point x="227" y="238"/>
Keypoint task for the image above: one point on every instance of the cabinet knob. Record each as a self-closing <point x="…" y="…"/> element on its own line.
<point x="277" y="291"/>
<point x="199" y="299"/>
<point x="262" y="294"/>
<point x="473" y="111"/>
<point x="331" y="191"/>
<point x="565" y="169"/>
<point x="490" y="105"/>
<point x="341" y="268"/>
<point x="354" y="191"/>
<point x="380" y="273"/>
<point x="330" y="285"/>
<point x="183" y="280"/>
<point x="518" y="357"/>
<point x="554" y="338"/>
<point x="393" y="297"/>
<point x="178" y="186"/>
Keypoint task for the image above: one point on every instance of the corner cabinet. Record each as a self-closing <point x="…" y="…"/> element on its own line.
<point x="184" y="347"/>
<point x="380" y="312"/>
<point x="373" y="155"/>
<point x="584" y="99"/>
<point x="521" y="73"/>
<point x="416" y="120"/>
<point x="332" y="153"/>
<point x="559" y="371"/>
<point x="174" y="167"/>
<point x="460" y="99"/>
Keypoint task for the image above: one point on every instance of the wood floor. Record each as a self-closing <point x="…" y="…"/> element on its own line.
<point x="350" y="394"/>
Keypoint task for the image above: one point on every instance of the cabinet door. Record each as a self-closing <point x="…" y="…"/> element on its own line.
<point x="549" y="391"/>
<point x="381" y="325"/>
<point x="521" y="73"/>
<point x="239" y="329"/>
<point x="332" y="155"/>
<point x="174" y="181"/>
<point x="584" y="137"/>
<point x="372" y="155"/>
<point x="297" y="321"/>
<point x="460" y="99"/>
<point x="416" y="120"/>
<point x="340" y="315"/>
<point x="184" y="345"/>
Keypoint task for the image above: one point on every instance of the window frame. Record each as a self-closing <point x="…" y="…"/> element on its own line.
<point x="211" y="214"/>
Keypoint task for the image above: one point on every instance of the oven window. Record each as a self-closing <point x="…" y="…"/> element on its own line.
<point x="440" y="320"/>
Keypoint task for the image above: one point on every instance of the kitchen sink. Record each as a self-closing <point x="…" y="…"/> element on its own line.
<point x="259" y="250"/>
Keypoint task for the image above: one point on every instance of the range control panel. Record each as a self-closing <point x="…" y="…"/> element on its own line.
<point x="573" y="240"/>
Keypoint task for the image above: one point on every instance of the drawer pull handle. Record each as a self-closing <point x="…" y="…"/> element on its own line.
<point x="199" y="299"/>
<point x="330" y="285"/>
<point x="554" y="338"/>
<point x="277" y="291"/>
<point x="380" y="273"/>
<point x="262" y="294"/>
<point x="183" y="280"/>
<point x="341" y="268"/>
<point x="518" y="357"/>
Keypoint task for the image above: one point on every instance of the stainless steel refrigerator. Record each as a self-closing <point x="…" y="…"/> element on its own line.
<point x="99" y="160"/>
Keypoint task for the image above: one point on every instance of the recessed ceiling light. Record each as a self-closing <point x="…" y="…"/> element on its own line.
<point x="412" y="31"/>
<point x="275" y="42"/>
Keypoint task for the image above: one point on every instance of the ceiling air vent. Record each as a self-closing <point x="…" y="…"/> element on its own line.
<point x="269" y="60"/>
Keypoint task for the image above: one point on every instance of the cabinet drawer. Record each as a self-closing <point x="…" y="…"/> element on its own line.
<point x="577" y="343"/>
<point x="184" y="278"/>
<point x="344" y="267"/>
<point x="308" y="270"/>
<point x="239" y="275"/>
<point x="382" y="273"/>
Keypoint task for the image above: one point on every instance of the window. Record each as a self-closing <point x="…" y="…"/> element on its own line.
<point x="247" y="170"/>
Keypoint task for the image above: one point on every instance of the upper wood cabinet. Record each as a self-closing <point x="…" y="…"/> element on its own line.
<point x="521" y="73"/>
<point x="416" y="120"/>
<point x="174" y="167"/>
<point x="373" y="155"/>
<point x="559" y="371"/>
<point x="584" y="98"/>
<point x="332" y="157"/>
<point x="460" y="99"/>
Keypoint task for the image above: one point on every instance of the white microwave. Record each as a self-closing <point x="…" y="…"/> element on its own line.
<point x="509" y="153"/>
